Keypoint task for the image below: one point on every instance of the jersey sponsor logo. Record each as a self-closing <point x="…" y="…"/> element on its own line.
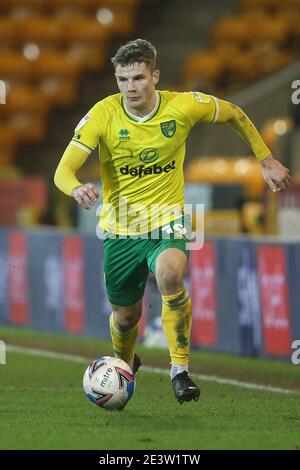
<point x="152" y="170"/>
<point x="148" y="155"/>
<point x="82" y="122"/>
<point x="124" y="135"/>
<point x="168" y="128"/>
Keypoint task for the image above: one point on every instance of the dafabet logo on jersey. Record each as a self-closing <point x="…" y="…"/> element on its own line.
<point x="148" y="155"/>
<point x="149" y="170"/>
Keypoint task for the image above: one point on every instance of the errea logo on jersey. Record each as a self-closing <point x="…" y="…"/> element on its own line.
<point x="124" y="135"/>
<point x="149" y="170"/>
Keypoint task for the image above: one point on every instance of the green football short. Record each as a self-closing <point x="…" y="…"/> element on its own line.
<point x="127" y="262"/>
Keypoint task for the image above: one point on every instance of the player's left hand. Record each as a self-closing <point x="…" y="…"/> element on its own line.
<point x="275" y="174"/>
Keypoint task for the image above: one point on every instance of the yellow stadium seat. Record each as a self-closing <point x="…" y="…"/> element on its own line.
<point x="252" y="28"/>
<point x="230" y="29"/>
<point x="8" y="31"/>
<point x="28" y="127"/>
<point x="201" y="67"/>
<point x="114" y="3"/>
<point x="55" y="63"/>
<point x="24" y="97"/>
<point x="13" y="65"/>
<point x="245" y="171"/>
<point x="83" y="28"/>
<point x="90" y="57"/>
<point x="59" y="90"/>
<point x="8" y="140"/>
<point x="274" y="129"/>
<point x="21" y="7"/>
<point x="41" y="29"/>
<point x="270" y="5"/>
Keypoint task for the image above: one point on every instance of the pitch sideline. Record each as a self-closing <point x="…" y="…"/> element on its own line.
<point x="155" y="370"/>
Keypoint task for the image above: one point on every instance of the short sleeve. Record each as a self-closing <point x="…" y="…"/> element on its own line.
<point x="87" y="133"/>
<point x="198" y="107"/>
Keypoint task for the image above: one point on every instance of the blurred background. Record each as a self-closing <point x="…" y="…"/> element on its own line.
<point x="55" y="64"/>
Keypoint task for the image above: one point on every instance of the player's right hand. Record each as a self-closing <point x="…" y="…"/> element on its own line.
<point x="86" y="195"/>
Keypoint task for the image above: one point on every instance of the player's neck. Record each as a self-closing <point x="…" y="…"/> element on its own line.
<point x="145" y="112"/>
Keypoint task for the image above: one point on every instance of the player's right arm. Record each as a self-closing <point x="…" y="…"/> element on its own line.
<point x="65" y="177"/>
<point x="85" y="140"/>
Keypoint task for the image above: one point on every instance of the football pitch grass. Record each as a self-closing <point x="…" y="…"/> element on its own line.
<point x="43" y="406"/>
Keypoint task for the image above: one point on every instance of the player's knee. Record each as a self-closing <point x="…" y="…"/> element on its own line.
<point x="170" y="280"/>
<point x="126" y="321"/>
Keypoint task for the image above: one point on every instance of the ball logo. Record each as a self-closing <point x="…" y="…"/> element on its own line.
<point x="106" y="376"/>
<point x="149" y="155"/>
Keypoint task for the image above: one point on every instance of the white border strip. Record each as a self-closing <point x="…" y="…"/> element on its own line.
<point x="217" y="112"/>
<point x="77" y="144"/>
<point x="155" y="370"/>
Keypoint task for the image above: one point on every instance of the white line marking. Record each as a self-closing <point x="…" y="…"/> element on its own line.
<point x="155" y="370"/>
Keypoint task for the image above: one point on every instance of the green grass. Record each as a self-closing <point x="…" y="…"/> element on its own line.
<point x="43" y="406"/>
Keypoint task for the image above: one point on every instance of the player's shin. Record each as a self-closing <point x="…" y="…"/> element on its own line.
<point x="123" y="340"/>
<point x="177" y="323"/>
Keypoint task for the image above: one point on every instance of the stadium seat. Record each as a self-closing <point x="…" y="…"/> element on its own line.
<point x="85" y="29"/>
<point x="8" y="32"/>
<point x="42" y="29"/>
<point x="58" y="91"/>
<point x="273" y="130"/>
<point x="55" y="63"/>
<point x="24" y="97"/>
<point x="115" y="3"/>
<point x="245" y="171"/>
<point x="8" y="139"/>
<point x="251" y="29"/>
<point x="269" y="5"/>
<point x="89" y="57"/>
<point x="246" y="66"/>
<point x="14" y="66"/>
<point x="45" y="46"/>
<point x="28" y="126"/>
<point x="201" y="68"/>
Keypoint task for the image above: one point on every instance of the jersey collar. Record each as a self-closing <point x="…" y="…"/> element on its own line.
<point x="146" y="118"/>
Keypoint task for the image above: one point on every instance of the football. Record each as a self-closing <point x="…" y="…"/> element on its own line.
<point x="109" y="383"/>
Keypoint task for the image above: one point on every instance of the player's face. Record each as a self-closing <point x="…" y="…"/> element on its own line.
<point x="137" y="83"/>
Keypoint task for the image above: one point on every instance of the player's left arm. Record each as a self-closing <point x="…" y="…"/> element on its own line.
<point x="274" y="173"/>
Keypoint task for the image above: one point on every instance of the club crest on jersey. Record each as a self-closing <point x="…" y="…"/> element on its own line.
<point x="168" y="128"/>
<point x="124" y="135"/>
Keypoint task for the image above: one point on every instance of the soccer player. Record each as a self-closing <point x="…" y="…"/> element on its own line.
<point x="141" y="134"/>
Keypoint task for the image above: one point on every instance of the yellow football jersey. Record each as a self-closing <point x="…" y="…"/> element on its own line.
<point x="142" y="159"/>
